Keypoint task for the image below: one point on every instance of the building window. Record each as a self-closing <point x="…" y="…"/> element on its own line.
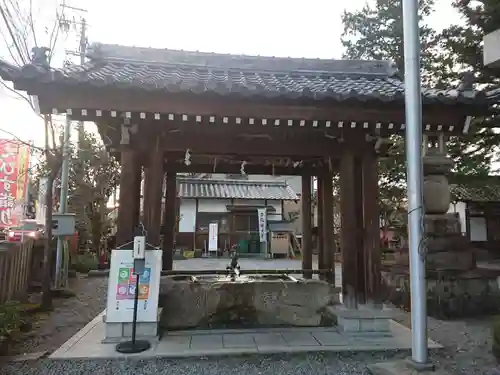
<point x="204" y="219"/>
<point x="246" y="222"/>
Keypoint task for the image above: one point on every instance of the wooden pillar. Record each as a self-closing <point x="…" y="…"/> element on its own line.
<point x="169" y="220"/>
<point x="153" y="197"/>
<point x="126" y="209"/>
<point x="320" y="238"/>
<point x="371" y="217"/>
<point x="137" y="191"/>
<point x="328" y="234"/>
<point x="358" y="215"/>
<point x="349" y="232"/>
<point x="306" y="226"/>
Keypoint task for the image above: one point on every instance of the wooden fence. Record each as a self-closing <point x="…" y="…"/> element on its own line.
<point x="15" y="267"/>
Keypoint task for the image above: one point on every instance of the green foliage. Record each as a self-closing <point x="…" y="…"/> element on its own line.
<point x="84" y="263"/>
<point x="496" y="339"/>
<point x="10" y="319"/>
<point x="376" y="32"/>
<point x="14" y="318"/>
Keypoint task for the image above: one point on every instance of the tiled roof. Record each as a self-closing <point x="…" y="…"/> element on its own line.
<point x="494" y="94"/>
<point x="269" y="77"/>
<point x="480" y="190"/>
<point x="227" y="189"/>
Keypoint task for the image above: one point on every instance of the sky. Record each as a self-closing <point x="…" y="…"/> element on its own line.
<point x="260" y="27"/>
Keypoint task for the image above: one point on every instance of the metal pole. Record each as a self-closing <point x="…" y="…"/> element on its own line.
<point x="63" y="202"/>
<point x="82" y="49"/>
<point x="413" y="101"/>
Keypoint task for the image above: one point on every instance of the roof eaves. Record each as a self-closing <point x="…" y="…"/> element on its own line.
<point x="8" y="71"/>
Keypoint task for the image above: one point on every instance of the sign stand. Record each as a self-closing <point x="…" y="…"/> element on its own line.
<point x="136" y="346"/>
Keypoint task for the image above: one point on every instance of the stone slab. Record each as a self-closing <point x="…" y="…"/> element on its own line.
<point x="363" y="319"/>
<point x="239" y="340"/>
<point x="269" y="339"/>
<point x="400" y="368"/>
<point x="206" y="342"/>
<point x="299" y="339"/>
<point x="88" y="343"/>
<point x="329" y="338"/>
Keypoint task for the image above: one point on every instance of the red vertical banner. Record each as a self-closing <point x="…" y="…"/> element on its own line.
<point x="14" y="170"/>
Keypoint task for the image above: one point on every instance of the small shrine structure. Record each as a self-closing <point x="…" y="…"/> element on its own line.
<point x="170" y="111"/>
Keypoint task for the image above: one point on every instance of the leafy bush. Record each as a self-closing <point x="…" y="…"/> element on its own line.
<point x="85" y="262"/>
<point x="10" y="319"/>
<point x="496" y="339"/>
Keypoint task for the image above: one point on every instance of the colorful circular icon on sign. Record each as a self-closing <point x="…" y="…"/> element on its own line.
<point x="131" y="289"/>
<point x="122" y="290"/>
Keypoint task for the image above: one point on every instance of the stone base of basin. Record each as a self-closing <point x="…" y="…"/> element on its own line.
<point x="363" y="319"/>
<point x="217" y="302"/>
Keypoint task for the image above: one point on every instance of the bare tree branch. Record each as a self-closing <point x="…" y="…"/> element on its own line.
<point x="20" y="140"/>
<point x="21" y="96"/>
<point x="8" y="24"/>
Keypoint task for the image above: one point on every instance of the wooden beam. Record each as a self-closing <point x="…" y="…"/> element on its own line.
<point x="311" y="147"/>
<point x="320" y="236"/>
<point x="306" y="225"/>
<point x="348" y="232"/>
<point x="329" y="247"/>
<point x="57" y="96"/>
<point x="169" y="220"/>
<point x="153" y="199"/>
<point x="371" y="218"/>
<point x="224" y="167"/>
<point x="126" y="210"/>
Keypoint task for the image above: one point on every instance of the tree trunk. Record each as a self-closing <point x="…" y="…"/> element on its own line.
<point x="47" y="252"/>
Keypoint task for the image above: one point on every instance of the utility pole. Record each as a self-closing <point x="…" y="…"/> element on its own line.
<point x="60" y="279"/>
<point x="413" y="104"/>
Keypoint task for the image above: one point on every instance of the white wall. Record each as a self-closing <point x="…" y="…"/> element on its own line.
<point x="213" y="205"/>
<point x="275" y="215"/>
<point x="187" y="210"/>
<point x="477" y="225"/>
<point x="491" y="50"/>
<point x="459" y="207"/>
<point x="478" y="231"/>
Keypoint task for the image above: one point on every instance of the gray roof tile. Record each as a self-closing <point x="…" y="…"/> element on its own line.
<point x="237" y="189"/>
<point x="268" y="77"/>
<point x="476" y="191"/>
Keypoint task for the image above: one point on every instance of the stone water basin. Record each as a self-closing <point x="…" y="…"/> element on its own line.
<point x="212" y="301"/>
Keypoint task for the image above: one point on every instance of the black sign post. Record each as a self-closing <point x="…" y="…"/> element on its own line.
<point x="135" y="346"/>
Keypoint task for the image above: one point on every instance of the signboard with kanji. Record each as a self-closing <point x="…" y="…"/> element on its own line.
<point x="262" y="216"/>
<point x="14" y="170"/>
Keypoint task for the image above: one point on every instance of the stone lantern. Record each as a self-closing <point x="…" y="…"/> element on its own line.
<point x="436" y="165"/>
<point x="447" y="249"/>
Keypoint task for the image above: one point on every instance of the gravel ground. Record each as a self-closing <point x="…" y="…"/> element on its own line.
<point x="467" y="347"/>
<point x="302" y="364"/>
<point x="69" y="316"/>
<point x="467" y="344"/>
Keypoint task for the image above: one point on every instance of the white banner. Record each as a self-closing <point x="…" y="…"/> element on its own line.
<point x="41" y="204"/>
<point x="121" y="287"/>
<point x="262" y="216"/>
<point x="213" y="236"/>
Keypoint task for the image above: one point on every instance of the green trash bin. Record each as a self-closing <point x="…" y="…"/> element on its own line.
<point x="243" y="246"/>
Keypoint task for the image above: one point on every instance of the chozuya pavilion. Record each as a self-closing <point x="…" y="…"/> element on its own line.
<point x="286" y="116"/>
